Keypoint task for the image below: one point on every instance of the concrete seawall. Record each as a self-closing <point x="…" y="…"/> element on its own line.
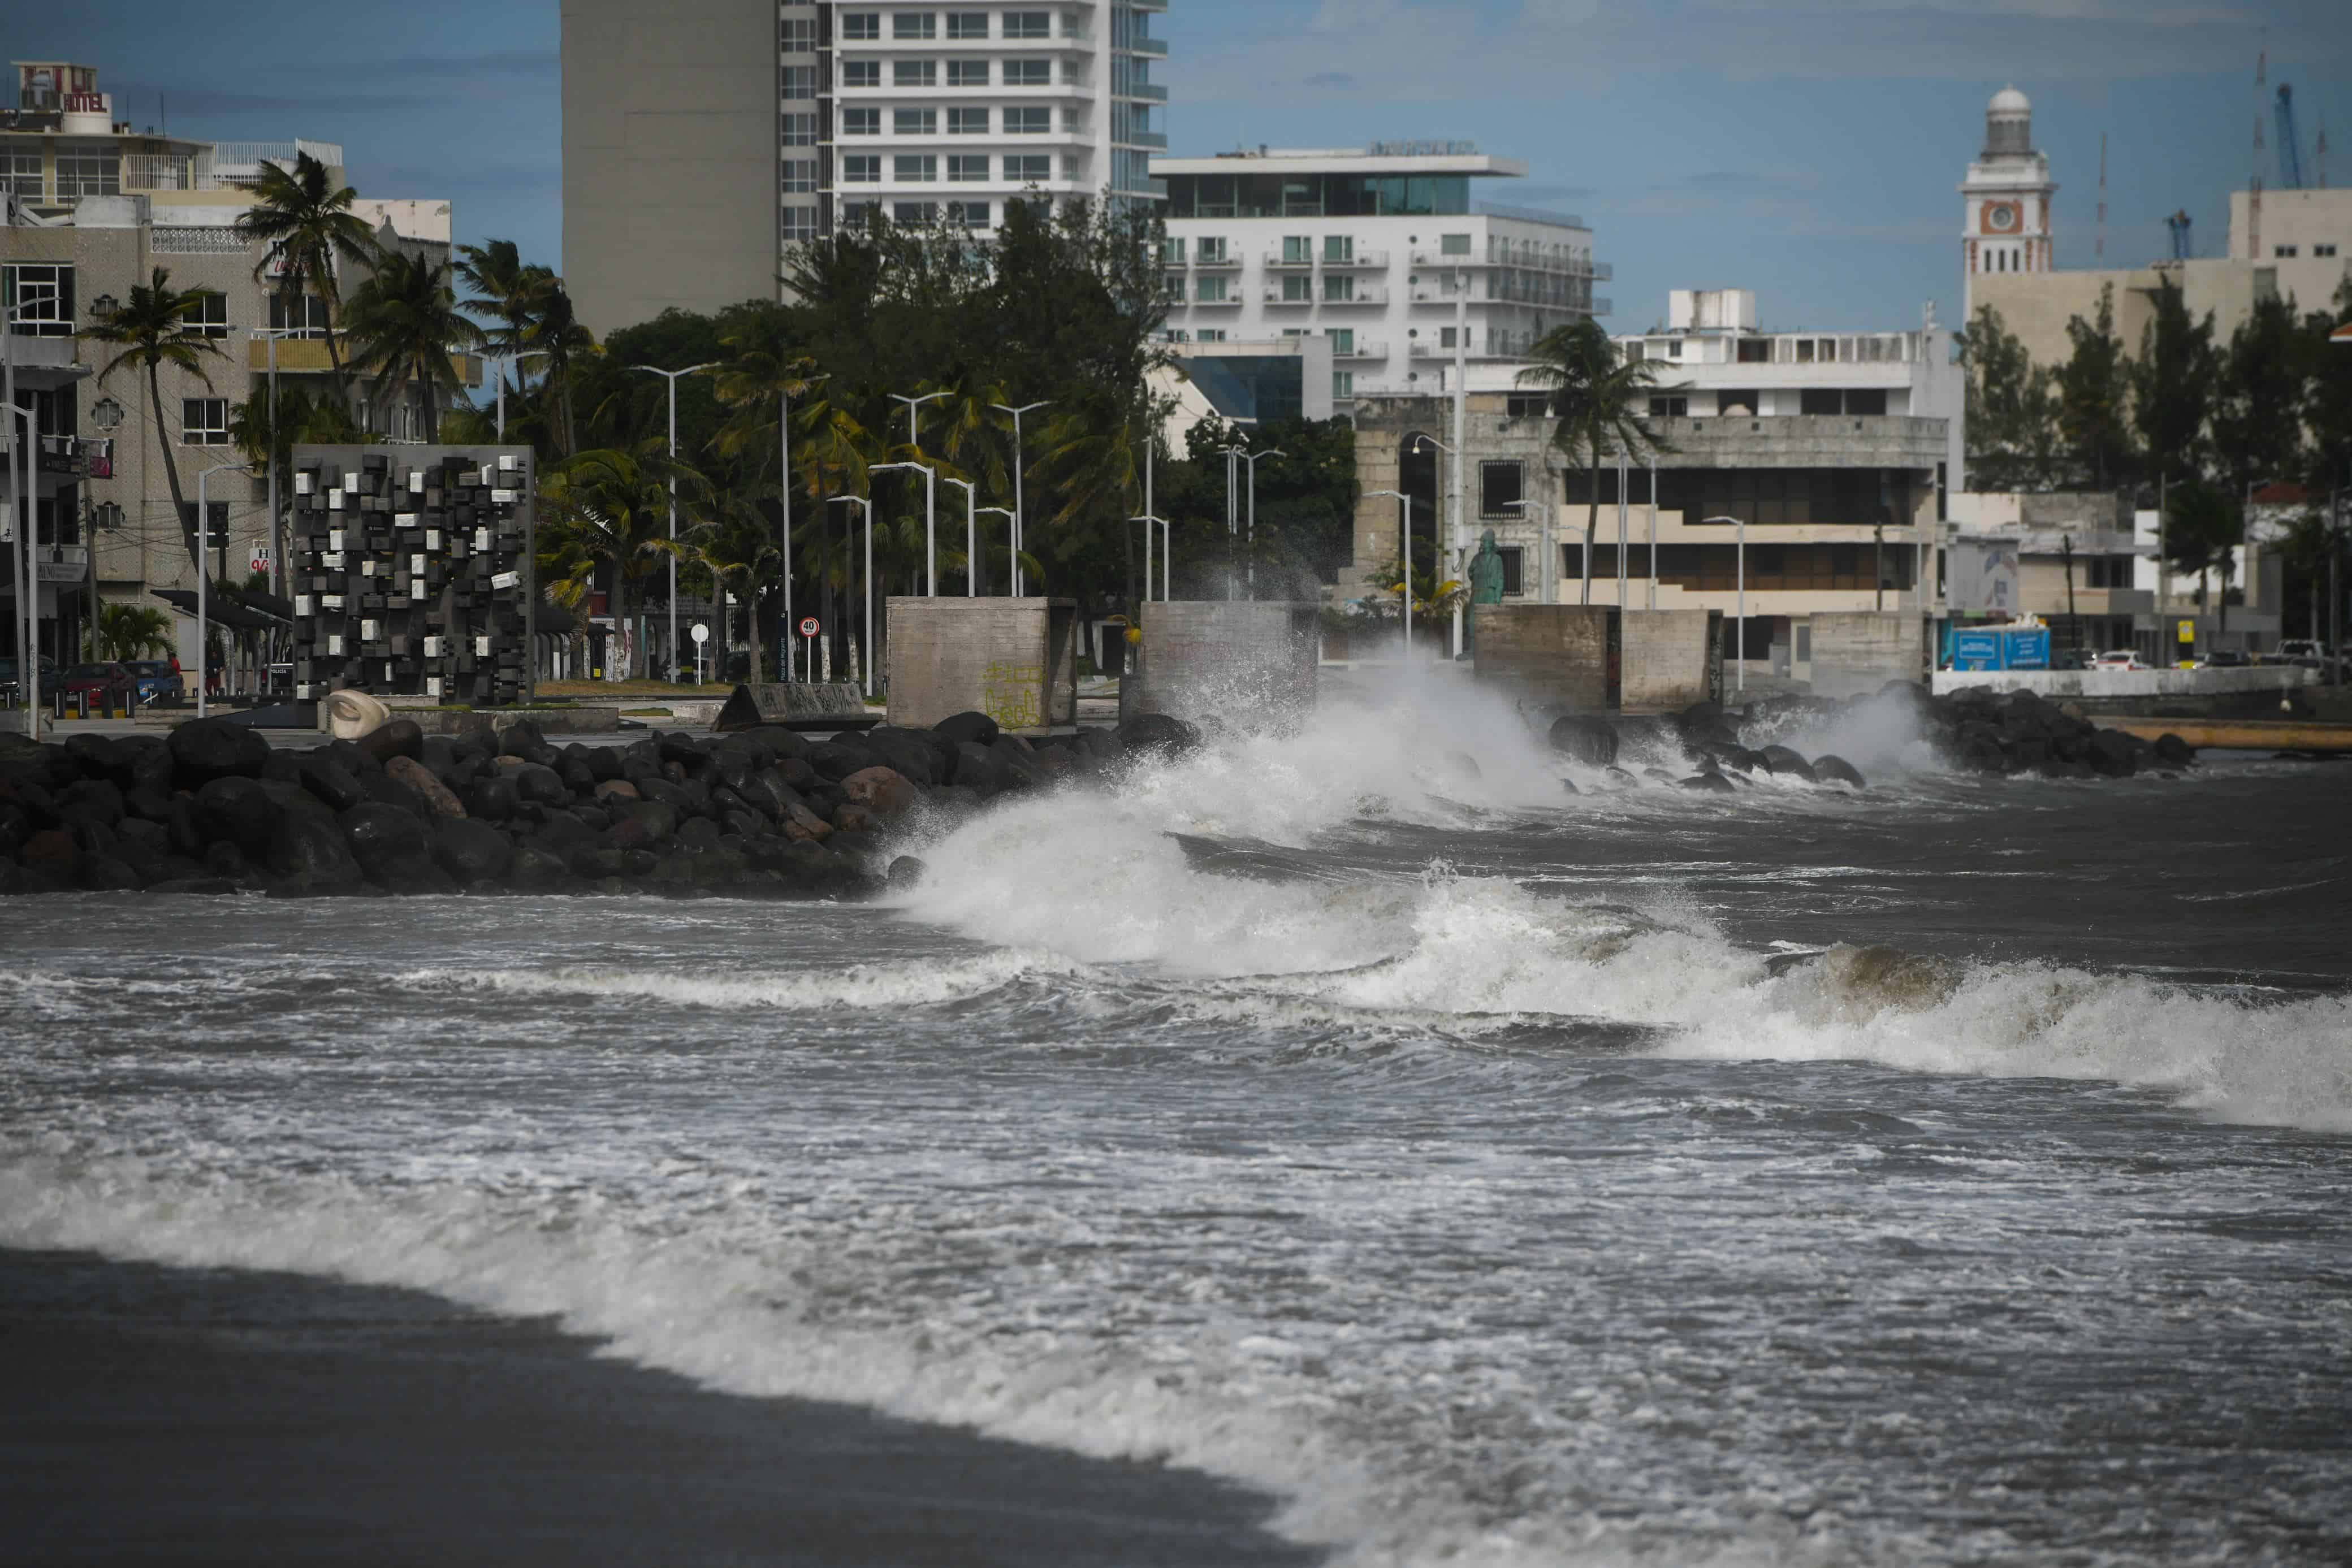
<point x="2253" y="692"/>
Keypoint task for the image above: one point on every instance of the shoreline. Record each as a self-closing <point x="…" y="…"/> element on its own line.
<point x="235" y="1416"/>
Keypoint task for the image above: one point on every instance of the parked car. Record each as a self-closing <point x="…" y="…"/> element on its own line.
<point x="2224" y="659"/>
<point x="2071" y="659"/>
<point x="158" y="682"/>
<point x="2302" y="652"/>
<point x="9" y="689"/>
<point x="107" y="680"/>
<point x="2119" y="659"/>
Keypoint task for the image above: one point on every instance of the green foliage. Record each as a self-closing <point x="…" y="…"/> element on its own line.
<point x="1305" y="505"/>
<point x="2012" y="414"/>
<point x="133" y="631"/>
<point x="307" y="222"/>
<point x="2172" y="384"/>
<point x="404" y="323"/>
<point x="605" y="514"/>
<point x="149" y="330"/>
<point x="1599" y="398"/>
<point x="301" y="422"/>
<point x="2094" y="393"/>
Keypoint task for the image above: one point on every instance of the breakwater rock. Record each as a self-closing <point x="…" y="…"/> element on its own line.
<point x="764" y="812"/>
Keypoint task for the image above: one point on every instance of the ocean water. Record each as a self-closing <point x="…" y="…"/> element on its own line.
<point x="1955" y="1171"/>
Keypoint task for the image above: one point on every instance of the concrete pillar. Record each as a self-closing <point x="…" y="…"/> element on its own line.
<point x="1240" y="664"/>
<point x="1014" y="659"/>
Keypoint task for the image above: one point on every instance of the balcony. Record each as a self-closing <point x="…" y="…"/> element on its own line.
<point x="308" y="356"/>
<point x="1277" y="261"/>
<point x="1156" y="47"/>
<point x="1370" y="259"/>
<point x="61" y="563"/>
<point x="1273" y="295"/>
<point x="1232" y="301"/>
<point x="1363" y="294"/>
<point x="1432" y="294"/>
<point x="1146" y="92"/>
<point x="1362" y="349"/>
<point x="1424" y="256"/>
<point x="1224" y="261"/>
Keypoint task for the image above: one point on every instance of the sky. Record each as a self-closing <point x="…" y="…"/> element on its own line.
<point x="1809" y="152"/>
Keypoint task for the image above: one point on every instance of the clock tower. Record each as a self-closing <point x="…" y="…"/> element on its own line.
<point x="2006" y="198"/>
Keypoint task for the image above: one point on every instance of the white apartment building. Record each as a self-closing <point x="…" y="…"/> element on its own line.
<point x="1384" y="250"/>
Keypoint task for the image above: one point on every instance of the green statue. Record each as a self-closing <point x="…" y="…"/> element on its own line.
<point x="1486" y="581"/>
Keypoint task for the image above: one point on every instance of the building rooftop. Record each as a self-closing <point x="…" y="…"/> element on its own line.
<point x="1380" y="158"/>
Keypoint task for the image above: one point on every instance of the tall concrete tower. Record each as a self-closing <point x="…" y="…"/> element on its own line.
<point x="2005" y="200"/>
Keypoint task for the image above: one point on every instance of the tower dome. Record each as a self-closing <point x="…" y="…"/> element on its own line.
<point x="2009" y="124"/>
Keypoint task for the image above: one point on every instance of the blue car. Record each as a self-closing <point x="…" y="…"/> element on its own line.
<point x="10" y="690"/>
<point x="158" y="682"/>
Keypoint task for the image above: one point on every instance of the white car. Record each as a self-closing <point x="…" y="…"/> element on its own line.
<point x="2119" y="659"/>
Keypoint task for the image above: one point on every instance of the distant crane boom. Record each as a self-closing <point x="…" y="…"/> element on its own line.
<point x="2290" y="158"/>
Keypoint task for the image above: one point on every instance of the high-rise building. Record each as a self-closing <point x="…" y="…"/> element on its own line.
<point x="689" y="170"/>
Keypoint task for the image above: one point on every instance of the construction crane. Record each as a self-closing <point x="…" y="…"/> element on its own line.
<point x="2290" y="155"/>
<point x="2179" y="223"/>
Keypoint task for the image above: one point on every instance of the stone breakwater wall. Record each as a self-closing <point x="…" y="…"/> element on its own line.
<point x="767" y="813"/>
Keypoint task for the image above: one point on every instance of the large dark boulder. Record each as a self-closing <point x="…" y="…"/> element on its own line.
<point x="384" y="789"/>
<point x="98" y="800"/>
<point x="1711" y="783"/>
<point x="538" y="782"/>
<point x="1787" y="759"/>
<point x="241" y="813"/>
<point x="310" y="849"/>
<point x="1829" y="767"/>
<point x="1590" y="741"/>
<point x="1018" y="763"/>
<point x="392" y="845"/>
<point x="916" y="761"/>
<point x="204" y="750"/>
<point x="603" y="762"/>
<point x="837" y="759"/>
<point x="469" y="850"/>
<point x="2113" y="755"/>
<point x="108" y="874"/>
<point x="401" y="737"/>
<point x="978" y="768"/>
<point x="418" y="777"/>
<point x="326" y="777"/>
<point x="493" y="799"/>
<point x="1153" y="734"/>
<point x="976" y="728"/>
<point x="2174" y="752"/>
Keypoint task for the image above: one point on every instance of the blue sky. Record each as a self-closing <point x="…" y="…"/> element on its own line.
<point x="1806" y="150"/>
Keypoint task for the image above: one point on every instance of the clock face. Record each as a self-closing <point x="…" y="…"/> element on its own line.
<point x="2000" y="218"/>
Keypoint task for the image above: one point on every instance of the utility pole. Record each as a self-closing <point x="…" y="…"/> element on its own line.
<point x="2073" y="622"/>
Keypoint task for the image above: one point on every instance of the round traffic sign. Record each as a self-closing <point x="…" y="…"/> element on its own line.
<point x="808" y="626"/>
<point x="701" y="632"/>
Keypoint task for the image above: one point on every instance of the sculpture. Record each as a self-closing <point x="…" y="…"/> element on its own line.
<point x="1485" y="582"/>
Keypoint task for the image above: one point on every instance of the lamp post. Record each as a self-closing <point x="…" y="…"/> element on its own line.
<point x="1741" y="524"/>
<point x="203" y="538"/>
<point x="866" y="648"/>
<point x="1453" y="529"/>
<point x="1020" y="506"/>
<point x="23" y="480"/>
<point x="1246" y="456"/>
<point x="506" y="362"/>
<point x="672" y="378"/>
<point x="1404" y="556"/>
<point x="784" y="498"/>
<point x="1149" y="521"/>
<point x="970" y="536"/>
<point x="931" y="521"/>
<point x="1006" y="513"/>
<point x="277" y="533"/>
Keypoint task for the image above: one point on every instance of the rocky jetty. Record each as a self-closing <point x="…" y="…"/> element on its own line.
<point x="763" y="813"/>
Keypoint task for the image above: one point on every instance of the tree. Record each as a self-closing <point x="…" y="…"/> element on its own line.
<point x="301" y="420"/>
<point x="2172" y="384"/>
<point x="2202" y="526"/>
<point x="2094" y="391"/>
<point x="307" y="223"/>
<point x="405" y="323"/>
<point x="2011" y="416"/>
<point x="149" y="329"/>
<point x="133" y="631"/>
<point x="558" y="333"/>
<point x="605" y="513"/>
<point x="1599" y="399"/>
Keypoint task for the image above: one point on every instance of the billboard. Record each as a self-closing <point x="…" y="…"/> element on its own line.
<point x="1980" y="574"/>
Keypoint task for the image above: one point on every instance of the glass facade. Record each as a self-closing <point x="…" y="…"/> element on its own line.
<point x="1257" y="196"/>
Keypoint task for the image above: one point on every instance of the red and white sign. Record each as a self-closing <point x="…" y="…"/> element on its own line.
<point x="261" y="558"/>
<point x="808" y="626"/>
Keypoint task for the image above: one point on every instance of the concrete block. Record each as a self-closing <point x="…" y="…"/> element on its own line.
<point x="1857" y="652"/>
<point x="1231" y="662"/>
<point x="1014" y="659"/>
<point x="811" y="704"/>
<point x="1673" y="658"/>
<point x="1551" y="655"/>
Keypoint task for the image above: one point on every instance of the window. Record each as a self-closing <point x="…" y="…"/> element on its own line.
<point x="861" y="73"/>
<point x="1212" y="251"/>
<point x="967" y="168"/>
<point x="1028" y="73"/>
<point x="1297" y="290"/>
<point x="796" y="36"/>
<point x="1514" y="578"/>
<point x="1028" y="24"/>
<point x="1028" y="168"/>
<point x="915" y="121"/>
<point x="1529" y="405"/>
<point x="203" y="422"/>
<point x="861" y="25"/>
<point x="20" y="175"/>
<point x="800" y="129"/>
<point x="1820" y="399"/>
<point x="914" y="168"/>
<point x="97" y="172"/>
<point x="800" y="81"/>
<point x="967" y="73"/>
<point x="1172" y="287"/>
<point x="1343" y="383"/>
<point x="1297" y="250"/>
<point x="861" y="122"/>
<point x="915" y="215"/>
<point x="1212" y="334"/>
<point x="1210" y="291"/>
<point x="915" y="25"/>
<point x="2323" y="250"/>
<point x="1340" y="248"/>
<point x="1669" y="407"/>
<point x="913" y="73"/>
<point x="1176" y="335"/>
<point x="1500" y="486"/>
<point x="1746" y="403"/>
<point x="853" y="215"/>
<point x="1446" y="338"/>
<point x="1171" y="252"/>
<point x="971" y="214"/>
<point x="1029" y="121"/>
<point x="1070" y="167"/>
<point x="210" y="317"/>
<point x="861" y="169"/>
<point x="1755" y="351"/>
<point x="1866" y="400"/>
<point x="2283" y="251"/>
<point x="1340" y="288"/>
<point x="967" y="122"/>
<point x="305" y="315"/>
<point x="44" y="291"/>
<point x="967" y="24"/>
<point x="799" y="225"/>
<point x="1454" y="245"/>
<point x="1343" y="342"/>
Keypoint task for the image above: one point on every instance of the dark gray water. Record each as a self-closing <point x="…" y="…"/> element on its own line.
<point x="1958" y="1172"/>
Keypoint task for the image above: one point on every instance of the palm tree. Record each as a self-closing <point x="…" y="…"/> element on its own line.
<point x="1091" y="458"/>
<point x="403" y="324"/>
<point x="301" y="420"/>
<point x="737" y="546"/>
<point x="505" y="289"/>
<point x="307" y="223"/>
<point x="149" y="329"/>
<point x="1601" y="400"/>
<point x="606" y="512"/>
<point x="835" y="452"/>
<point x="556" y="331"/>
<point x="131" y="632"/>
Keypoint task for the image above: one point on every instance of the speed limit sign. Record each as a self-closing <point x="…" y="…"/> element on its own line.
<point x="808" y="625"/>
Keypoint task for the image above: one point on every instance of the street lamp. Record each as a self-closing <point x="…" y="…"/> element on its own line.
<point x="1404" y="555"/>
<point x="506" y="362"/>
<point x="931" y="521"/>
<point x="912" y="404"/>
<point x="1251" y="458"/>
<point x="1740" y="523"/>
<point x="1454" y="530"/>
<point x="1020" y="507"/>
<point x="784" y="492"/>
<point x="866" y="651"/>
<point x="1006" y="513"/>
<point x="970" y="536"/>
<point x="23" y="481"/>
<point x="672" y="378"/>
<point x="1149" y="520"/>
<point x="204" y="538"/>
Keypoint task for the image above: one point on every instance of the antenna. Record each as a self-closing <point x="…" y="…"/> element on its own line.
<point x="2099" y="246"/>
<point x="2254" y="187"/>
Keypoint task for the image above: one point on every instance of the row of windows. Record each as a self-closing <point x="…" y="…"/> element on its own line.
<point x="1845" y="497"/>
<point x="1023" y="121"/>
<point x="960" y="73"/>
<point x="2288" y="252"/>
<point x="920" y="214"/>
<point x="39" y="296"/>
<point x="966" y="25"/>
<point x="923" y="168"/>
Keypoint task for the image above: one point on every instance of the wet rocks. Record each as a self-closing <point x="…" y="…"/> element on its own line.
<point x="204" y="750"/>
<point x="1590" y="741"/>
